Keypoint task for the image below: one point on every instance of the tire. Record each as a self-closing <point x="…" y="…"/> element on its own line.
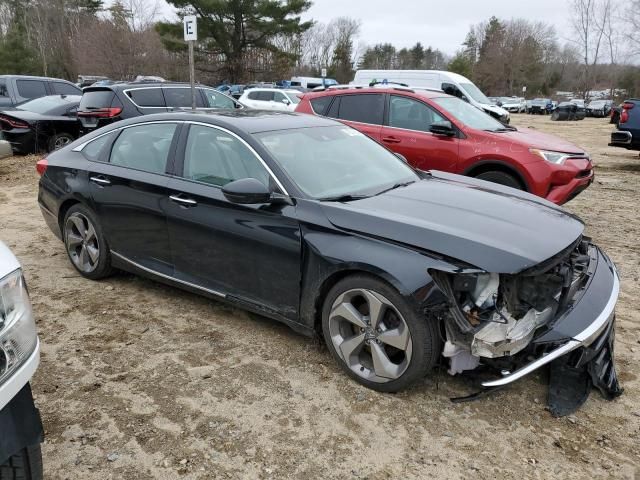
<point x="59" y="141"/>
<point x="24" y="465"/>
<point x="405" y="345"/>
<point x="501" y="178"/>
<point x="555" y="116"/>
<point x="86" y="245"/>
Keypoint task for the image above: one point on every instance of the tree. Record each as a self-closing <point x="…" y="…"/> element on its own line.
<point x="231" y="29"/>
<point x="461" y="64"/>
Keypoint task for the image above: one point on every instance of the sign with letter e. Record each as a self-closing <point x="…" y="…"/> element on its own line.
<point x="190" y="28"/>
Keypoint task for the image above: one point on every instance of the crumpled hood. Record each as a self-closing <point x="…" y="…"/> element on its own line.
<point x="495" y="228"/>
<point x="530" y="137"/>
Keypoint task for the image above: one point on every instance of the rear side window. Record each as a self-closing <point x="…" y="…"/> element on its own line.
<point x="218" y="100"/>
<point x="362" y="108"/>
<point x="61" y="88"/>
<point x="31" y="88"/>
<point x="96" y="99"/>
<point x="3" y="89"/>
<point x="263" y="96"/>
<point x="147" y="97"/>
<point x="144" y="147"/>
<point x="93" y="150"/>
<point x="180" y="97"/>
<point x="321" y="104"/>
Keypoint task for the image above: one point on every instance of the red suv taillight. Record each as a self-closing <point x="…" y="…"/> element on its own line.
<point x="102" y="112"/>
<point x="13" y="122"/>
<point x="41" y="166"/>
<point x="624" y="116"/>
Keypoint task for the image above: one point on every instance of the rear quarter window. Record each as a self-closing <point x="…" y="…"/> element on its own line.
<point x="31" y="88"/>
<point x="321" y="104"/>
<point x="94" y="150"/>
<point x="3" y="89"/>
<point x="147" y="97"/>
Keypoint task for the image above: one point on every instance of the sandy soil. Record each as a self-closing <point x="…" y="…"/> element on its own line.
<point x="139" y="380"/>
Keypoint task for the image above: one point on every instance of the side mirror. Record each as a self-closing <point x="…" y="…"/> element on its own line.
<point x="246" y="191"/>
<point x="443" y="128"/>
<point x="286" y="101"/>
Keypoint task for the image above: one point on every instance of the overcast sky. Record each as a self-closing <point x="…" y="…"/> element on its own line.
<point x="441" y="24"/>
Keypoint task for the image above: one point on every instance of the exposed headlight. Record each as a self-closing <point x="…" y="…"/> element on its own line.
<point x="552" y="157"/>
<point x="18" y="336"/>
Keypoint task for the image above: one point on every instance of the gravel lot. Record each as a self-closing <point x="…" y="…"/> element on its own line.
<point x="139" y="380"/>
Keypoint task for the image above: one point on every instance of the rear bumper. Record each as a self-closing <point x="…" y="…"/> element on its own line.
<point x="578" y="328"/>
<point x="623" y="139"/>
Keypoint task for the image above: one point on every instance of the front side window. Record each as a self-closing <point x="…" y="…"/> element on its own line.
<point x="218" y="100"/>
<point x="279" y="97"/>
<point x="3" y="89"/>
<point x="147" y="97"/>
<point x="215" y="157"/>
<point x="144" y="147"/>
<point x="365" y="108"/>
<point x="411" y="114"/>
<point x="31" y="88"/>
<point x="468" y="114"/>
<point x="328" y="162"/>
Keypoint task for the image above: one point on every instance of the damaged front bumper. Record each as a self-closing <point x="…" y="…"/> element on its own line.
<point x="577" y="344"/>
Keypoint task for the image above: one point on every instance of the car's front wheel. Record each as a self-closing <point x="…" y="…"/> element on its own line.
<point x="501" y="178"/>
<point x="86" y="244"/>
<point x="376" y="336"/>
<point x="24" y="465"/>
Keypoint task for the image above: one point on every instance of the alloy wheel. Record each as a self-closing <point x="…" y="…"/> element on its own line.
<point x="82" y="242"/>
<point x="370" y="335"/>
<point x="61" y="142"/>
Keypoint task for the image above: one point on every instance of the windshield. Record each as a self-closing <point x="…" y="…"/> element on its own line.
<point x="327" y="162"/>
<point x="471" y="116"/>
<point x="44" y="105"/>
<point x="475" y="93"/>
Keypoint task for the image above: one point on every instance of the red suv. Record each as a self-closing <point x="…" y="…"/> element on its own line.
<point x="435" y="131"/>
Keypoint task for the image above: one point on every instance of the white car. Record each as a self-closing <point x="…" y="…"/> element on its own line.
<point x="20" y="426"/>
<point x="514" y="104"/>
<point x="271" y="99"/>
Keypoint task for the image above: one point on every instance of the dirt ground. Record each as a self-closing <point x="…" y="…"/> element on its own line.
<point x="140" y="380"/>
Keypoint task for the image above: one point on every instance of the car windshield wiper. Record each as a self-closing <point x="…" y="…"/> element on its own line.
<point x="503" y="129"/>
<point x="397" y="185"/>
<point x="343" y="198"/>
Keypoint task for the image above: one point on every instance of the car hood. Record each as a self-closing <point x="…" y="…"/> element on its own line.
<point x="530" y="137"/>
<point x="495" y="228"/>
<point x="495" y="109"/>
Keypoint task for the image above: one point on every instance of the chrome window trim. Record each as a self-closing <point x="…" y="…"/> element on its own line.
<point x="80" y="147"/>
<point x="251" y="149"/>
<point x="168" y="277"/>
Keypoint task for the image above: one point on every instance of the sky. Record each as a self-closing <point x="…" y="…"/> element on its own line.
<point x="405" y="22"/>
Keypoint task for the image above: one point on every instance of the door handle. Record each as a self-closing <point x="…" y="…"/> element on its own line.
<point x="187" y="202"/>
<point x="100" y="180"/>
<point x="391" y="140"/>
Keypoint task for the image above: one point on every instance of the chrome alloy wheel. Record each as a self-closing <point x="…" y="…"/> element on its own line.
<point x="82" y="242"/>
<point x="370" y="335"/>
<point x="61" y="142"/>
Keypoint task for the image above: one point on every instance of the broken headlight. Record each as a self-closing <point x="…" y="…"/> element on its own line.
<point x="18" y="337"/>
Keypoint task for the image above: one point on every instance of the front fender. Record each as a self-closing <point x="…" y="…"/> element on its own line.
<point x="329" y="255"/>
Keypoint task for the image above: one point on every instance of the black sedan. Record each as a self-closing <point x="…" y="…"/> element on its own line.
<point x="309" y="222"/>
<point x="42" y="124"/>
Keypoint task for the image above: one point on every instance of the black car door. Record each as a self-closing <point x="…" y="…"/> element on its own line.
<point x="251" y="252"/>
<point x="129" y="191"/>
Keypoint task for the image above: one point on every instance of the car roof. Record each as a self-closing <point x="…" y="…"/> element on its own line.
<point x="33" y="77"/>
<point x="406" y="90"/>
<point x="132" y="85"/>
<point x="249" y="121"/>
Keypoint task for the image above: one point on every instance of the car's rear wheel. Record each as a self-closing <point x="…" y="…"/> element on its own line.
<point x="376" y="336"/>
<point x="555" y="116"/>
<point x="60" y="140"/>
<point x="502" y="178"/>
<point x="24" y="465"/>
<point x="85" y="243"/>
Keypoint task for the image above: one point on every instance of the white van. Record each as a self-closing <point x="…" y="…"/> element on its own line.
<point x="448" y="82"/>
<point x="312" y="82"/>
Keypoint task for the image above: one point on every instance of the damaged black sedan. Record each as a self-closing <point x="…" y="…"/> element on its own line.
<point x="309" y="222"/>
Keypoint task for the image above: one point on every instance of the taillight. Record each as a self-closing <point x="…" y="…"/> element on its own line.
<point x="13" y="122"/>
<point x="102" y="112"/>
<point x="41" y="166"/>
<point x="624" y="116"/>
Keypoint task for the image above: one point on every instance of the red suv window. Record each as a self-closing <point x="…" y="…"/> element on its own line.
<point x="363" y="108"/>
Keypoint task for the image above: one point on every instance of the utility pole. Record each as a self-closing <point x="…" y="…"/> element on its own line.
<point x="190" y="36"/>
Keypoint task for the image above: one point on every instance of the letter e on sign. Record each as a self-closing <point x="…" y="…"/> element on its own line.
<point x="190" y="28"/>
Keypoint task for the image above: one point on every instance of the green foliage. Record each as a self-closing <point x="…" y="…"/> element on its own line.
<point x="232" y="28"/>
<point x="16" y="57"/>
<point x="461" y="64"/>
